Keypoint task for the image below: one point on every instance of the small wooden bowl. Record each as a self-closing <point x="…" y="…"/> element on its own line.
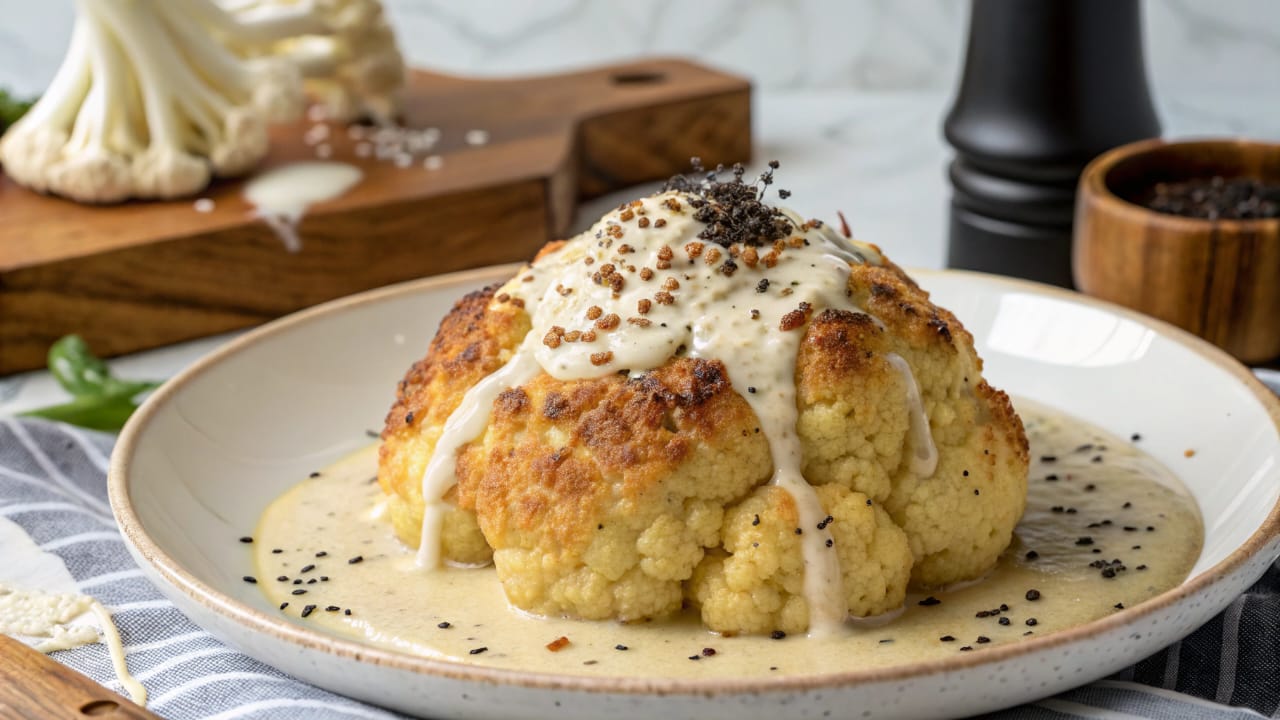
<point x="1219" y="279"/>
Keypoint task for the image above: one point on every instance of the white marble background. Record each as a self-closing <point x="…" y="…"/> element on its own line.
<point x="1194" y="46"/>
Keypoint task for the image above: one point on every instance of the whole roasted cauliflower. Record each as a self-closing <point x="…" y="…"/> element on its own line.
<point x="629" y="492"/>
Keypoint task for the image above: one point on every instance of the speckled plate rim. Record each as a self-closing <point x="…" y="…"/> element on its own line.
<point x="177" y="576"/>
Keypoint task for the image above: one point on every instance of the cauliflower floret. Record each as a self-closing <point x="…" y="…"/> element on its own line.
<point x="471" y="343"/>
<point x="756" y="584"/>
<point x="600" y="496"/>
<point x="854" y="425"/>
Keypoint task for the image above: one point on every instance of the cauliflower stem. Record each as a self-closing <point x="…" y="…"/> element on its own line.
<point x="156" y="97"/>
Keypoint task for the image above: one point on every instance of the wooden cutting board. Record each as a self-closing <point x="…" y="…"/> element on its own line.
<point x="144" y="274"/>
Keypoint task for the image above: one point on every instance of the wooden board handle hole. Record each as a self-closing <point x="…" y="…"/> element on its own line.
<point x="99" y="707"/>
<point x="638" y="77"/>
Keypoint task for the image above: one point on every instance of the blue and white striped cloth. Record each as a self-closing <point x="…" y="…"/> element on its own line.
<point x="53" y="485"/>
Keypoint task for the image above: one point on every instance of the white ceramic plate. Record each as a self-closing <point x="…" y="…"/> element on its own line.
<point x="204" y="456"/>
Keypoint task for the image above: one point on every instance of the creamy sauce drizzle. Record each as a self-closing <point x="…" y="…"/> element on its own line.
<point x="923" y="453"/>
<point x="282" y="195"/>
<point x="57" y="618"/>
<point x="702" y="303"/>
<point x="394" y="606"/>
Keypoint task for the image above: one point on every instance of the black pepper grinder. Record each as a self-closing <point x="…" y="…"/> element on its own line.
<point x="1047" y="86"/>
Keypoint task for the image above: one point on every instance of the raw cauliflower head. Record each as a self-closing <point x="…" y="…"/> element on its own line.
<point x="630" y="495"/>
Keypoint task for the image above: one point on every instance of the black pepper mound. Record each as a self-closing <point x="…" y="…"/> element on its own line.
<point x="733" y="210"/>
<point x="1215" y="197"/>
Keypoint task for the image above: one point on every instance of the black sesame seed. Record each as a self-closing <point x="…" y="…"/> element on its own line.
<point x="929" y="601"/>
<point x="975" y="491"/>
<point x="1051" y="477"/>
<point x="251" y="579"/>
<point x="1032" y="622"/>
<point x="1135" y="437"/>
<point x="1142" y="567"/>
<point x="306" y="611"/>
<point x="965" y="473"/>
<point x="1150" y="529"/>
<point x="1048" y="458"/>
<point x="1127" y="505"/>
<point x="1032" y="555"/>
<point x="1108" y="573"/>
<point x="1119" y="606"/>
<point x="1136" y="547"/>
<point x="307" y="568"/>
<point x="312" y="581"/>
<point x="830" y="542"/>
<point x="1071" y="511"/>
<point x="756" y="521"/>
<point x="751" y="389"/>
<point x="297" y="582"/>
<point x="966" y="648"/>
<point x="983" y="639"/>
<point x="1086" y="540"/>
<point x="708" y="652"/>
<point x="886" y="641"/>
<point x="284" y="605"/>
<point x="314" y="474"/>
<point x="332" y="608"/>
<point x="1027" y="633"/>
<point x="283" y="578"/>
<point x="1004" y="621"/>
<point x="623" y="648"/>
<point x="777" y="634"/>
<point x="355" y="560"/>
<point x="799" y="531"/>
<point x="477" y="651"/>
<point x="347" y="611"/>
<point x="246" y="539"/>
<point x="1033" y="594"/>
<point x="299" y="591"/>
<point x="1130" y="528"/>
<point x="1090" y="487"/>
<point x="947" y="638"/>
<point x="1004" y="608"/>
<point x="444" y="625"/>
<point x="321" y="554"/>
<point x="276" y="551"/>
<point x="324" y="578"/>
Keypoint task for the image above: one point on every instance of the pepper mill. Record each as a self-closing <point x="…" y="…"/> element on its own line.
<point x="1047" y="85"/>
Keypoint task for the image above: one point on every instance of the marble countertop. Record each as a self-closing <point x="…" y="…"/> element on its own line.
<point x="876" y="156"/>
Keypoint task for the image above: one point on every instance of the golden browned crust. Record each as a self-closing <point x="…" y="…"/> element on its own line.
<point x="599" y="498"/>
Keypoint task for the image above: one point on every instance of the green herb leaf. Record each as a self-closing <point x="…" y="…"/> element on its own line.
<point x="94" y="412"/>
<point x="99" y="401"/>
<point x="11" y="109"/>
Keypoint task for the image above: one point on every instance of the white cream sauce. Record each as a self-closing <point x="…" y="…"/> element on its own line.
<point x="282" y="195"/>
<point x="55" y="617"/>
<point x="393" y="605"/>
<point x="639" y="288"/>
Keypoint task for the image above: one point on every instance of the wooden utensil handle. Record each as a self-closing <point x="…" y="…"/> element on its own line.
<point x="32" y="685"/>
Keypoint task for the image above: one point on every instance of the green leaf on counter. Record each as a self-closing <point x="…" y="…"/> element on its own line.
<point x="11" y="108"/>
<point x="99" y="400"/>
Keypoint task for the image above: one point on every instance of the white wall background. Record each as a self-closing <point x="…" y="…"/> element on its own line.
<point x="1195" y="48"/>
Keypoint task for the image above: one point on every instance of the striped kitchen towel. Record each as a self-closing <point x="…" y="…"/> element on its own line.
<point x="53" y="487"/>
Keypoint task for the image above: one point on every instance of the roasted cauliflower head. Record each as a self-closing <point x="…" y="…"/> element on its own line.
<point x="630" y="493"/>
